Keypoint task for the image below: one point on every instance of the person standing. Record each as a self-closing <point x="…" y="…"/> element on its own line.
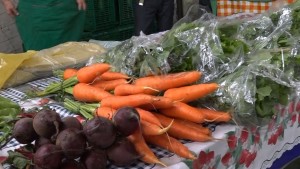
<point x="46" y="23"/>
<point x="206" y="4"/>
<point x="148" y="12"/>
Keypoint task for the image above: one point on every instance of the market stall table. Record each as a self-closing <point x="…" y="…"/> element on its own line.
<point x="234" y="147"/>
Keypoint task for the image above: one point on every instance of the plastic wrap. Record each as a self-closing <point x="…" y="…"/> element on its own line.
<point x="251" y="92"/>
<point x="133" y="56"/>
<point x="42" y="63"/>
<point x="192" y="44"/>
<point x="254" y="57"/>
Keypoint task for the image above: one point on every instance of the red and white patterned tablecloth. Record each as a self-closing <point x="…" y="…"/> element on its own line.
<point x="230" y="7"/>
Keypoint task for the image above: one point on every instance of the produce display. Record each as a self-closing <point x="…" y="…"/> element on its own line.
<point x="117" y="123"/>
<point x="161" y="90"/>
<point x="254" y="59"/>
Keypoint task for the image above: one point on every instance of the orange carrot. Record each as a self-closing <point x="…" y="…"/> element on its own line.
<point x="180" y="131"/>
<point x="170" y="144"/>
<point x="195" y="126"/>
<point x="152" y="129"/>
<point x="69" y="72"/>
<point x="109" y="85"/>
<point x="88" y="74"/>
<point x="160" y="102"/>
<point x="191" y="93"/>
<point x="143" y="149"/>
<point x="185" y="112"/>
<point x="109" y="75"/>
<point x="149" y="117"/>
<point x="136" y="100"/>
<point x="164" y="82"/>
<point x="106" y="112"/>
<point x="215" y="116"/>
<point x="87" y="93"/>
<point x="129" y="89"/>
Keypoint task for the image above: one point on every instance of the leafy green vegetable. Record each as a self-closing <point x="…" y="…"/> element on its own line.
<point x="269" y="94"/>
<point x="17" y="159"/>
<point x="8" y="115"/>
<point x="287" y="62"/>
<point x="295" y="28"/>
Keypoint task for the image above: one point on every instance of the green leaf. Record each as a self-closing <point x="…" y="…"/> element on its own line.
<point x="263" y="92"/>
<point x="17" y="159"/>
<point x="261" y="56"/>
<point x="264" y="108"/>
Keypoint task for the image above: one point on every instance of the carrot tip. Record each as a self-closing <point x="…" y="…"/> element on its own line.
<point x="164" y="130"/>
<point x="217" y="139"/>
<point x="161" y="163"/>
<point x="192" y="155"/>
<point x="156" y="90"/>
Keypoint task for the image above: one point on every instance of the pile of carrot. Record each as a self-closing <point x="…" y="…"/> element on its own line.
<point x="162" y="102"/>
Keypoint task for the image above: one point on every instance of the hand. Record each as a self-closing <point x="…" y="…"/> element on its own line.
<point x="81" y="4"/>
<point x="10" y="8"/>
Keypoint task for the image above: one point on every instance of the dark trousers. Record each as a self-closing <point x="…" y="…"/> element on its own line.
<point x="160" y="12"/>
<point x="206" y="4"/>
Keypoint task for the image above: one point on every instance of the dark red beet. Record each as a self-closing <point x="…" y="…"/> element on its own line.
<point x="71" y="164"/>
<point x="41" y="141"/>
<point x="100" y="132"/>
<point x="48" y="156"/>
<point x="122" y="153"/>
<point x="23" y="131"/>
<point x="71" y="122"/>
<point x="126" y="120"/>
<point x="72" y="142"/>
<point x="47" y="123"/>
<point x="94" y="159"/>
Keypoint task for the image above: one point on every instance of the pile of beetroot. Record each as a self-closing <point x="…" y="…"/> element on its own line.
<point x="63" y="143"/>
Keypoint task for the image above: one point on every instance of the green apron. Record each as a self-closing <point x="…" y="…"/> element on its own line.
<point x="46" y="23"/>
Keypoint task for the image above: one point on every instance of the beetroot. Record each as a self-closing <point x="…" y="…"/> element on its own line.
<point x="71" y="122"/>
<point x="41" y="141"/>
<point x="72" y="142"/>
<point x="23" y="131"/>
<point x="100" y="132"/>
<point x="72" y="164"/>
<point x="47" y="123"/>
<point x="126" y="120"/>
<point x="122" y="153"/>
<point x="48" y="156"/>
<point x="94" y="159"/>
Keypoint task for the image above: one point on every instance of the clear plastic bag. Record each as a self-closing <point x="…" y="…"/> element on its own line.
<point x="133" y="56"/>
<point x="251" y="93"/>
<point x="192" y="44"/>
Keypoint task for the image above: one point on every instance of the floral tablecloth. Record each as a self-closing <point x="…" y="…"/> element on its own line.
<point x="260" y="147"/>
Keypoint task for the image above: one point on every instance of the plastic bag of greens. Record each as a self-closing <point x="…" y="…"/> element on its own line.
<point x="277" y="27"/>
<point x="280" y="15"/>
<point x="285" y="59"/>
<point x="153" y="54"/>
<point x="209" y="53"/>
<point x="196" y="45"/>
<point x="252" y="92"/>
<point x="133" y="56"/>
<point x="274" y="28"/>
<point x="192" y="44"/>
